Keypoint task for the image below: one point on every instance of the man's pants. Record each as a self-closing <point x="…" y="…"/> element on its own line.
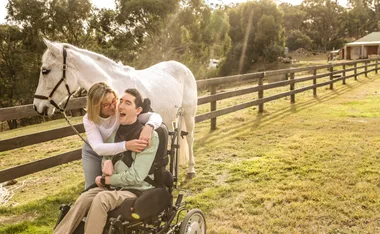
<point x="97" y="202"/>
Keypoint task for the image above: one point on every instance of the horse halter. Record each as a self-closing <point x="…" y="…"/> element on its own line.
<point x="63" y="79"/>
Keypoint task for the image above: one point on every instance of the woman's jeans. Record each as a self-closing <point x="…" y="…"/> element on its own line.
<point x="92" y="165"/>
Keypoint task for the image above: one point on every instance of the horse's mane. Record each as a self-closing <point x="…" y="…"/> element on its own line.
<point x="100" y="59"/>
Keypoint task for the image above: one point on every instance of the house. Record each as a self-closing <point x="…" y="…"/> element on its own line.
<point x="214" y="63"/>
<point x="366" y="47"/>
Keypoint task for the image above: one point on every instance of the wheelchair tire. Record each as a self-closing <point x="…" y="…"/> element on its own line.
<point x="194" y="222"/>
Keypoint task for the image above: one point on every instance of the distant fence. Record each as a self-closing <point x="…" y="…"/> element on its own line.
<point x="333" y="72"/>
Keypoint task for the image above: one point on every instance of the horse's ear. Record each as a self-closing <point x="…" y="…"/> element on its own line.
<point x="53" y="47"/>
<point x="46" y="41"/>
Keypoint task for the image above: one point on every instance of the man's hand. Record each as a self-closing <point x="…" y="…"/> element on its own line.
<point x="146" y="134"/>
<point x="136" y="145"/>
<point x="97" y="181"/>
<point x="107" y="168"/>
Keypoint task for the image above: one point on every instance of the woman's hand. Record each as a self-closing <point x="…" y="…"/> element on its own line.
<point x="146" y="134"/>
<point x="107" y="168"/>
<point x="97" y="181"/>
<point x="136" y="145"/>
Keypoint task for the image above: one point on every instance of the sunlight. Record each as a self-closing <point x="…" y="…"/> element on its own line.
<point x="166" y="51"/>
<point x="247" y="32"/>
<point x="104" y="4"/>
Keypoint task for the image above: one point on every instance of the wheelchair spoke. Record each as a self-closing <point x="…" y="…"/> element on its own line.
<point x="194" y="223"/>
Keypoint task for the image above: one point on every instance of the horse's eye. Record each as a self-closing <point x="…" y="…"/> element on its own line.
<point x="45" y="71"/>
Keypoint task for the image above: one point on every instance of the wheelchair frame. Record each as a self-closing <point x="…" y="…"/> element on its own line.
<point x="193" y="222"/>
<point x="163" y="223"/>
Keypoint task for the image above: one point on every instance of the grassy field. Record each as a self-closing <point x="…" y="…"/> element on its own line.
<point x="311" y="167"/>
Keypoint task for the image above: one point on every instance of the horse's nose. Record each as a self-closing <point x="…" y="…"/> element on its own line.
<point x="45" y="111"/>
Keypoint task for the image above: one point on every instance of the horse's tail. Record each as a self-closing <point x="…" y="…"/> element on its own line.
<point x="189" y="104"/>
<point x="184" y="149"/>
<point x="190" y="91"/>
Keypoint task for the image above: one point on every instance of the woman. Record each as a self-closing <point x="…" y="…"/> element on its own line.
<point x="101" y="120"/>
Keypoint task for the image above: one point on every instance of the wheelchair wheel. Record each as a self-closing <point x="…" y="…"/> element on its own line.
<point x="193" y="223"/>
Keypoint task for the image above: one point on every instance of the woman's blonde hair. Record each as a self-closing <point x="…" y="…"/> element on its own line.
<point x="95" y="96"/>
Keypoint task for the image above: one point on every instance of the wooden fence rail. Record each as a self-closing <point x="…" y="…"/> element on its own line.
<point x="332" y="73"/>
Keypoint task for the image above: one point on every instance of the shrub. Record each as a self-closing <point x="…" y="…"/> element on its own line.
<point x="298" y="39"/>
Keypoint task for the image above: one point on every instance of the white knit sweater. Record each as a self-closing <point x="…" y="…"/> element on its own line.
<point x="98" y="134"/>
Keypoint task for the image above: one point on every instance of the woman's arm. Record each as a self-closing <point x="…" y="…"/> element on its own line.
<point x="151" y="118"/>
<point x="153" y="121"/>
<point x="96" y="141"/>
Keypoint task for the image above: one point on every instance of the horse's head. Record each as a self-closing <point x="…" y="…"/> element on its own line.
<point x="57" y="81"/>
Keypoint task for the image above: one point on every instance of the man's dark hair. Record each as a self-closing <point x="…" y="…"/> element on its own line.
<point x="137" y="95"/>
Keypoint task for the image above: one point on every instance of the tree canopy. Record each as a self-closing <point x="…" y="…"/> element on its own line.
<point x="143" y="32"/>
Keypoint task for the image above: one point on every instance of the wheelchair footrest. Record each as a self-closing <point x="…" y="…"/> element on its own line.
<point x="179" y="200"/>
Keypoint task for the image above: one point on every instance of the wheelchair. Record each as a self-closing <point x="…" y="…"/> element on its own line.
<point x="155" y="211"/>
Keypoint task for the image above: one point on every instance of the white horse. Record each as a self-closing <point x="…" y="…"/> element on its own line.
<point x="169" y="85"/>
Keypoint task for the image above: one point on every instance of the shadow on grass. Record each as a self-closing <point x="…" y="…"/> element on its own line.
<point x="39" y="216"/>
<point x="267" y="118"/>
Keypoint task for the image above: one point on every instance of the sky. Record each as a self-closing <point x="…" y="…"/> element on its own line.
<point x="3" y="10"/>
<point x="111" y="4"/>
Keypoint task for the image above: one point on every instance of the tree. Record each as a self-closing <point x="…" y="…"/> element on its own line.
<point x="323" y="22"/>
<point x="298" y="39"/>
<point x="191" y="35"/>
<point x="21" y="44"/>
<point x="17" y="66"/>
<point x="362" y="18"/>
<point x="256" y="32"/>
<point x="293" y="17"/>
<point x="138" y="21"/>
<point x="62" y="20"/>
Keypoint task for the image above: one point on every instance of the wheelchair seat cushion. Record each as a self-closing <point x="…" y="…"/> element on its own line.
<point x="151" y="203"/>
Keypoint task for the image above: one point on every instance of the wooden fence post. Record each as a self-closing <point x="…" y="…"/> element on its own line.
<point x="331" y="77"/>
<point x="365" y="69"/>
<point x="376" y="66"/>
<point x="261" y="92"/>
<point x="213" y="107"/>
<point x="356" y="71"/>
<point x="292" y="96"/>
<point x="314" y="82"/>
<point x="344" y="74"/>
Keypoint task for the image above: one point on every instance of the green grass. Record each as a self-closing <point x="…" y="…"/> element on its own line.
<point x="311" y="167"/>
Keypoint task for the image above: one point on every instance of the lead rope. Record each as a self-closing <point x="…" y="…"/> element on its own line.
<point x="76" y="131"/>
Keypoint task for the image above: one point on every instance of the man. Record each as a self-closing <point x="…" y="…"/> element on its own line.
<point x="99" y="200"/>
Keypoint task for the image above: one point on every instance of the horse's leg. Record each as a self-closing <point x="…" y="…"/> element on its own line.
<point x="190" y="124"/>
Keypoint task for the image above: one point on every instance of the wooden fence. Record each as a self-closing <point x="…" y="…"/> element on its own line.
<point x="261" y="81"/>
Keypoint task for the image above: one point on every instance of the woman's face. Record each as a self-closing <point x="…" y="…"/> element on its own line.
<point x="108" y="106"/>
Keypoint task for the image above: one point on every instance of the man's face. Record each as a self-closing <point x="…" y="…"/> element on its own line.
<point x="127" y="109"/>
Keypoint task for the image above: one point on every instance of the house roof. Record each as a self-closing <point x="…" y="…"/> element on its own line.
<point x="363" y="43"/>
<point x="370" y="39"/>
